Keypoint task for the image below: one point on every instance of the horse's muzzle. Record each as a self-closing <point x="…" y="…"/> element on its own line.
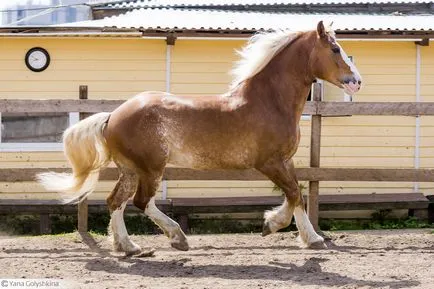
<point x="352" y="85"/>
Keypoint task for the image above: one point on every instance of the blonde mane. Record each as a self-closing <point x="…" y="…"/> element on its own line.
<point x="258" y="52"/>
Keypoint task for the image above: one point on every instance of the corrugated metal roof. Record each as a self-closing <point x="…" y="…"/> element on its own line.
<point x="171" y="3"/>
<point x="195" y="19"/>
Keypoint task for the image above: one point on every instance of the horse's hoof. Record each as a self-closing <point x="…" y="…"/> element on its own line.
<point x="132" y="253"/>
<point x="266" y="229"/>
<point x="133" y="249"/>
<point x="318" y="245"/>
<point x="181" y="246"/>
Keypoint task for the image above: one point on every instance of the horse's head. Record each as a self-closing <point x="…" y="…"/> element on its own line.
<point x="330" y="62"/>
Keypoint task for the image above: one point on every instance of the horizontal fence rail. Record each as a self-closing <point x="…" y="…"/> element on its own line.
<point x="58" y="105"/>
<point x="374" y="108"/>
<point x="305" y="174"/>
<point x="311" y="107"/>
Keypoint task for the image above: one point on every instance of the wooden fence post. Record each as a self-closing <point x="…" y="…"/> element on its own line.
<point x="315" y="151"/>
<point x="82" y="206"/>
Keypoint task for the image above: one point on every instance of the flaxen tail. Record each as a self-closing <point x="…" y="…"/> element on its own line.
<point x="86" y="150"/>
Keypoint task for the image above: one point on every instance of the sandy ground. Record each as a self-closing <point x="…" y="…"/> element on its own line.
<point x="368" y="259"/>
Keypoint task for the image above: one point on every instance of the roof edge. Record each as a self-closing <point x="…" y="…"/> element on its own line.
<point x="35" y="31"/>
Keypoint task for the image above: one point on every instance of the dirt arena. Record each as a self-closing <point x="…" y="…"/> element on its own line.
<point x="362" y="259"/>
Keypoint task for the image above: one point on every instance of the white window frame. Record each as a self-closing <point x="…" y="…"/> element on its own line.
<point x="308" y="117"/>
<point x="37" y="146"/>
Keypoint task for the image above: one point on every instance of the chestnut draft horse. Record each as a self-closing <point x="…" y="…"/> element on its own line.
<point x="254" y="125"/>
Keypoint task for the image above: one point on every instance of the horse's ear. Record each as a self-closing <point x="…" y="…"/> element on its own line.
<point x="321" y="29"/>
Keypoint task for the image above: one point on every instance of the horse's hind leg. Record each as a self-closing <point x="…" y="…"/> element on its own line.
<point x="116" y="201"/>
<point x="144" y="199"/>
<point x="282" y="173"/>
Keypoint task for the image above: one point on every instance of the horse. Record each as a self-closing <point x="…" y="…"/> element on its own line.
<point x="254" y="125"/>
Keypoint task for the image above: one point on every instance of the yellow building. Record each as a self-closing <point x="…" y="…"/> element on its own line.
<point x="116" y="58"/>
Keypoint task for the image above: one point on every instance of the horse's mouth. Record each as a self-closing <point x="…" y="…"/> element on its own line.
<point x="351" y="88"/>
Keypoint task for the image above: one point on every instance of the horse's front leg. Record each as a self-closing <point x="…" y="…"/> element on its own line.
<point x="282" y="173"/>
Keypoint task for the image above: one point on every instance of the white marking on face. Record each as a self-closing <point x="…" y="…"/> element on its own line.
<point x="349" y="63"/>
<point x="351" y="87"/>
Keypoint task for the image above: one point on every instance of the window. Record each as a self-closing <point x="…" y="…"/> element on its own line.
<point x="71" y="14"/>
<point x="21" y="14"/>
<point x="309" y="98"/>
<point x="34" y="131"/>
<point x="54" y="16"/>
<point x="55" y="12"/>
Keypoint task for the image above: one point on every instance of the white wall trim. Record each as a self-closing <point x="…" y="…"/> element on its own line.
<point x="417" y="128"/>
<point x="168" y="66"/>
<point x="74" y="117"/>
<point x="168" y="80"/>
<point x="164" y="190"/>
<point x="31" y="147"/>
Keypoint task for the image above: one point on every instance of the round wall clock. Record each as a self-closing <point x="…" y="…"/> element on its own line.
<point x="37" y="59"/>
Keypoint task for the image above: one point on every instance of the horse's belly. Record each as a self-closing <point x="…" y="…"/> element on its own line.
<point x="211" y="159"/>
<point x="181" y="159"/>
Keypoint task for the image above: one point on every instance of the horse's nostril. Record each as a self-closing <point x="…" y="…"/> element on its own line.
<point x="359" y="82"/>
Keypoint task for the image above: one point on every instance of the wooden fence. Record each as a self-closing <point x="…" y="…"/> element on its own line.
<point x="314" y="174"/>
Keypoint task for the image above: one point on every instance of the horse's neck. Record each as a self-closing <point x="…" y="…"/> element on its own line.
<point x="284" y="83"/>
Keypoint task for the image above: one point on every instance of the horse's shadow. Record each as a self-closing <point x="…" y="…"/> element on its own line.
<point x="309" y="273"/>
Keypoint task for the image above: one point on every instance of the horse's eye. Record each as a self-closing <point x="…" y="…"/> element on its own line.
<point x="336" y="49"/>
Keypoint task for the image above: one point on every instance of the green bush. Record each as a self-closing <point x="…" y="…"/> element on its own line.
<point x="140" y="224"/>
<point x="374" y="224"/>
<point x="21" y="225"/>
<point x="98" y="223"/>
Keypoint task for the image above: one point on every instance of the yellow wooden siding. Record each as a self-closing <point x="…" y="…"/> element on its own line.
<point x="32" y="159"/>
<point x="427" y="73"/>
<point x="201" y="67"/>
<point x="112" y="68"/>
<point x="32" y="190"/>
<point x="388" y="70"/>
<point x="368" y="141"/>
